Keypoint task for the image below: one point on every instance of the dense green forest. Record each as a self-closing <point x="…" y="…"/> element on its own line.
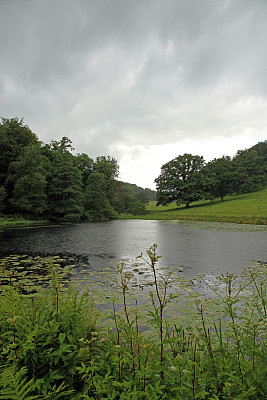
<point x="40" y="180"/>
<point x="48" y="181"/>
<point x="187" y="178"/>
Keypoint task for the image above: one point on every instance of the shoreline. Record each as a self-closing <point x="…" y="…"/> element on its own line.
<point x="6" y="223"/>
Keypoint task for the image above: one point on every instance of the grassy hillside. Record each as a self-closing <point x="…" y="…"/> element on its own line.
<point x="250" y="208"/>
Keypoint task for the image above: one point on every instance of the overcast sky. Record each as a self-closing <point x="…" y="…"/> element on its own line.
<point x="140" y="80"/>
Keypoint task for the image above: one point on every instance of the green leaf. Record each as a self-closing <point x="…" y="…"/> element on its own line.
<point x="62" y="337"/>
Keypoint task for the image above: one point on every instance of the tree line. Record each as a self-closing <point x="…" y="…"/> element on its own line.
<point x="48" y="181"/>
<point x="188" y="178"/>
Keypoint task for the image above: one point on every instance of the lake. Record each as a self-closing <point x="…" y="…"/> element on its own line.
<point x="192" y="247"/>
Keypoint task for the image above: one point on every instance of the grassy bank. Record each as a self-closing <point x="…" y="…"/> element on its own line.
<point x="17" y="221"/>
<point x="250" y="208"/>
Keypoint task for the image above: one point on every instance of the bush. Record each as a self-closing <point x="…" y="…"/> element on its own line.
<point x="41" y="334"/>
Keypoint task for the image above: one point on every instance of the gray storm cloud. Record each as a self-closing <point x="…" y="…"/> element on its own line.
<point x="121" y="73"/>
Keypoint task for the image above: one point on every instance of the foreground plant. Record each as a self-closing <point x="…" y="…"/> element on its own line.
<point x="51" y="347"/>
<point x="40" y="336"/>
<point x="242" y="339"/>
<point x="157" y="314"/>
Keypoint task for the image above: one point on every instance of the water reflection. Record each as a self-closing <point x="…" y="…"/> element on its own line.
<point x="199" y="247"/>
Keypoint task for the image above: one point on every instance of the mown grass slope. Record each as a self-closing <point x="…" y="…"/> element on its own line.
<point x="250" y="208"/>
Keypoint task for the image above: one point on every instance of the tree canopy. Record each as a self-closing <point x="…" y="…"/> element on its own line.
<point x="14" y="136"/>
<point x="188" y="178"/>
<point x="180" y="180"/>
<point x="27" y="182"/>
<point x="218" y="178"/>
<point x="39" y="180"/>
<point x="250" y="169"/>
<point x="49" y="181"/>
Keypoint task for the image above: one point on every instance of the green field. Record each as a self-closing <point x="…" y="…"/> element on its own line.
<point x="250" y="208"/>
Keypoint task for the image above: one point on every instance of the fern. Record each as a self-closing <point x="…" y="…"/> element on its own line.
<point x="16" y="387"/>
<point x="58" y="393"/>
<point x="14" y="384"/>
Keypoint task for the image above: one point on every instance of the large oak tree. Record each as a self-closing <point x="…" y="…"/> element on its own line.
<point x="180" y="180"/>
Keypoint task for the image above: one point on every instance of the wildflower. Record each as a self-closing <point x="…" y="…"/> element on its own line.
<point x="117" y="346"/>
<point x="179" y="357"/>
<point x="172" y="368"/>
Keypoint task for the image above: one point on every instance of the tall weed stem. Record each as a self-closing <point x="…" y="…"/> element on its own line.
<point x="152" y="260"/>
<point x="201" y="307"/>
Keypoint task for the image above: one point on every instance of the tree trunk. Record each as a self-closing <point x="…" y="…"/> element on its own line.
<point x="187" y="205"/>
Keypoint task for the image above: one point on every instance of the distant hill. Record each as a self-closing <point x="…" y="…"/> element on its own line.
<point x="143" y="195"/>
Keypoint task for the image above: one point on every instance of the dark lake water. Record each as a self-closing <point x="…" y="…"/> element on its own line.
<point x="198" y="247"/>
